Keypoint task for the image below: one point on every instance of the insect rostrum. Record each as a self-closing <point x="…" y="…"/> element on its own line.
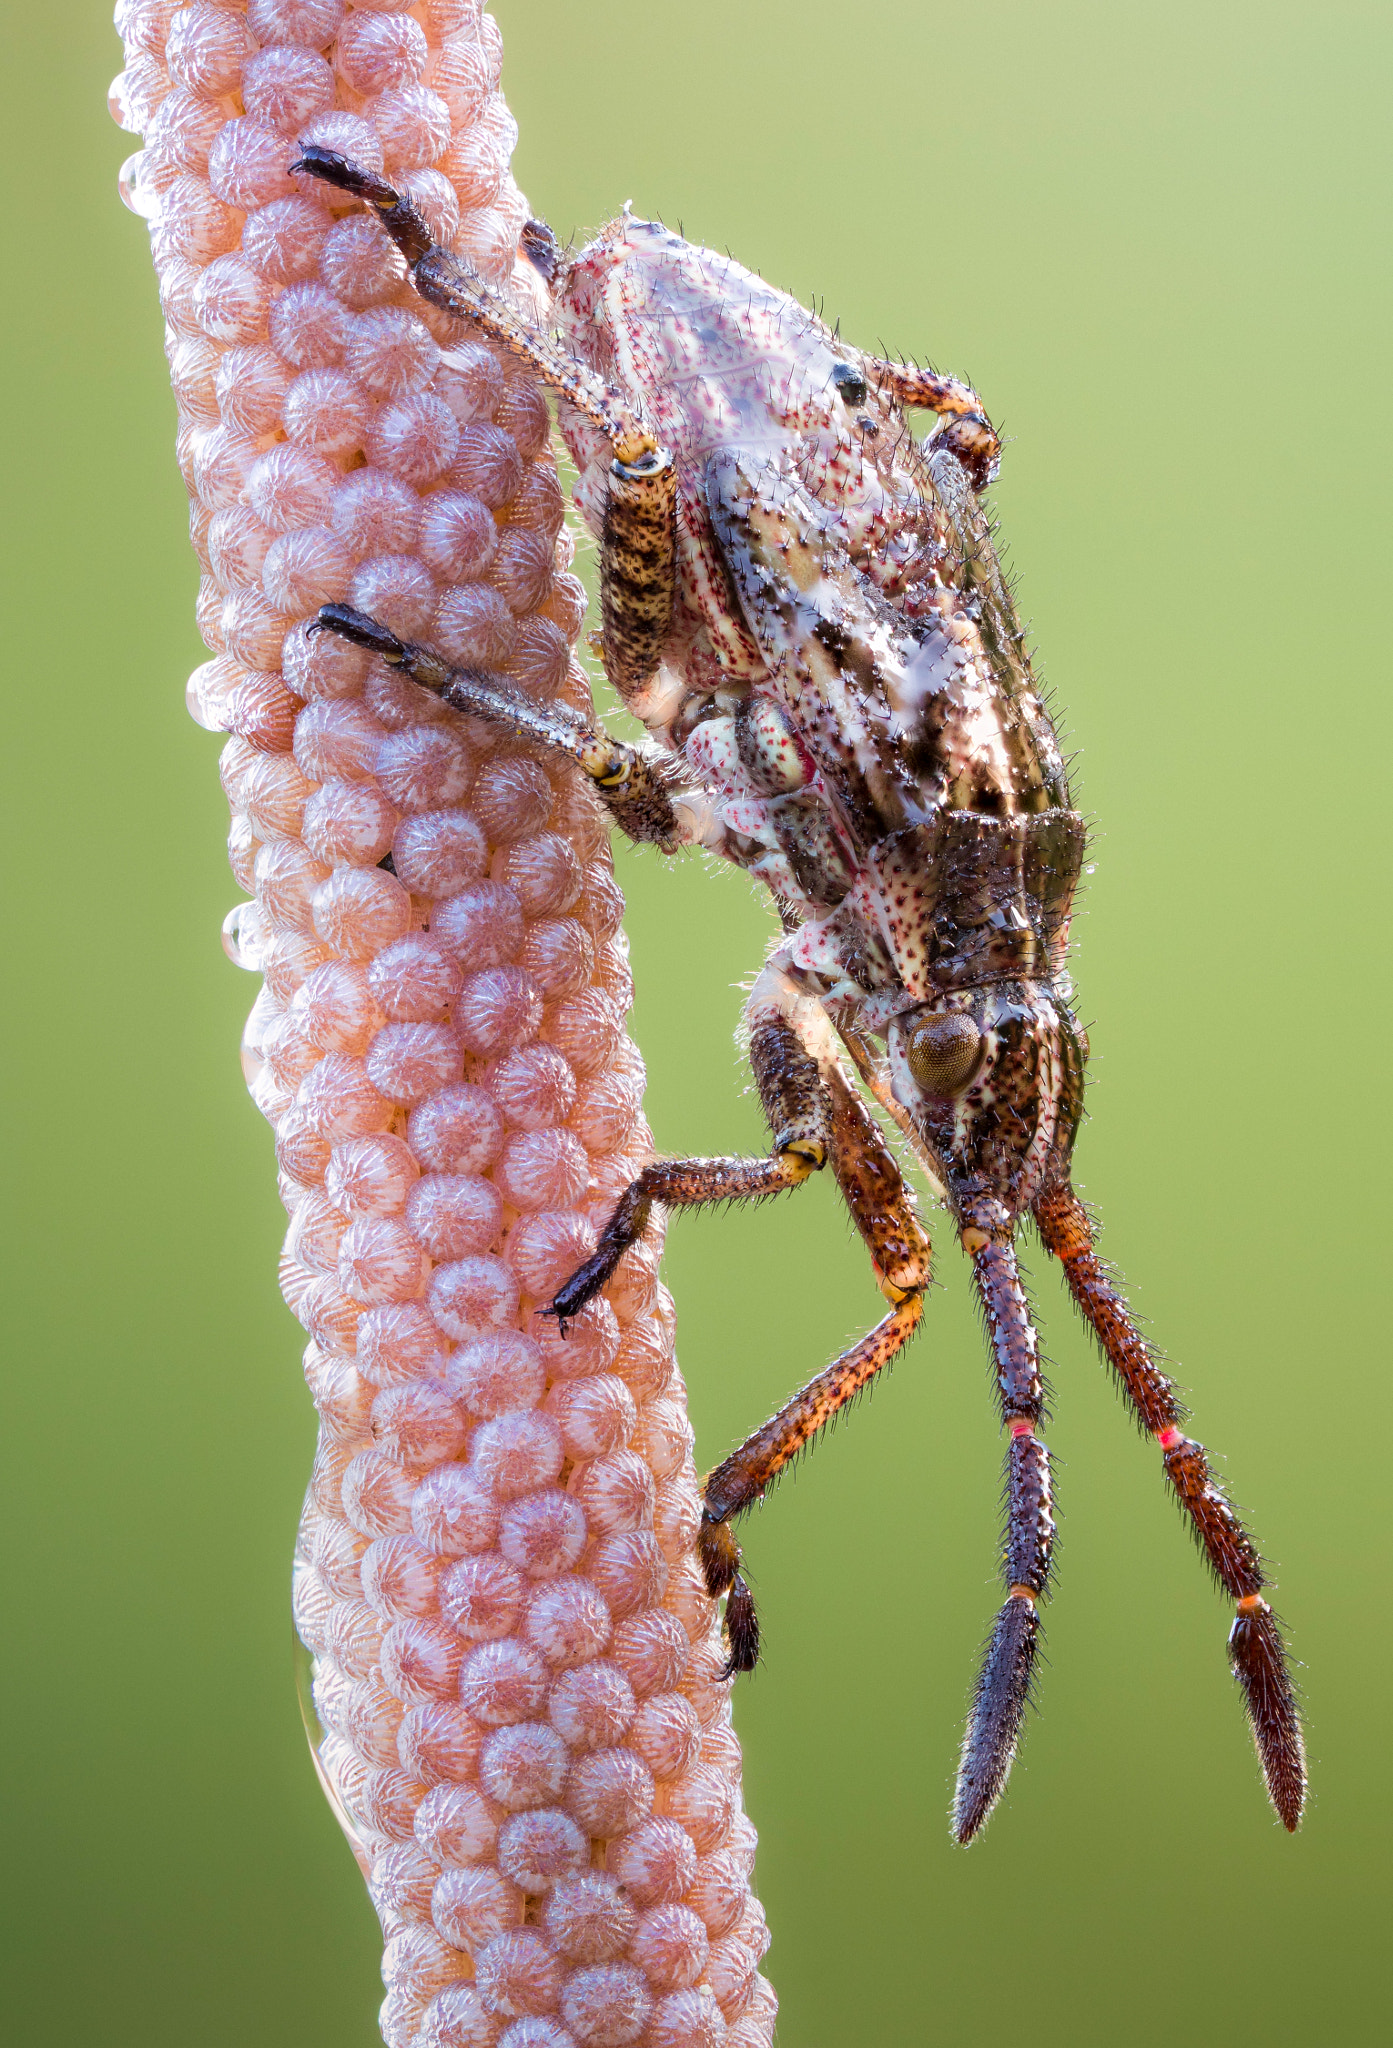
<point x="803" y="605"/>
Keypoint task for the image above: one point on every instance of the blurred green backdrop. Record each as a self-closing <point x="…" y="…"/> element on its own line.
<point x="1155" y="239"/>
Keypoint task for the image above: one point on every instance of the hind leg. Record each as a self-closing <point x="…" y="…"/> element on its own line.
<point x="1257" y="1654"/>
<point x="883" y="1210"/>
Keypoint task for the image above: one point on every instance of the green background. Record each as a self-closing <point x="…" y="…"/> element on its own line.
<point x="1154" y="237"/>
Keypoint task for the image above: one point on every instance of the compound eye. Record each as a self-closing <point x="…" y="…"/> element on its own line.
<point x="943" y="1052"/>
<point x="850" y="384"/>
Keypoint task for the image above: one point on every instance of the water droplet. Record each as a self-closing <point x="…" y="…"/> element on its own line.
<point x="315" y="1736"/>
<point x="244" y="936"/>
<point x="118" y="104"/>
<point x="1090" y="867"/>
<point x="263" y="1012"/>
<point x="315" y="1730"/>
<point x="133" y="184"/>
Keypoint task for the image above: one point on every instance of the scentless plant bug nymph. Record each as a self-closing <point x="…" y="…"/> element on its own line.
<point x="802" y="603"/>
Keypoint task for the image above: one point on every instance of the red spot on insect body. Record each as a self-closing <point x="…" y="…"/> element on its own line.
<point x="1168" y="1438"/>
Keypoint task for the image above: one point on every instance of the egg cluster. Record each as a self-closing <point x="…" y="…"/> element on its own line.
<point x="516" y="1668"/>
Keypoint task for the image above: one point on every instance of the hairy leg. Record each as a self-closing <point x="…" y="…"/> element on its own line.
<point x="964" y="428"/>
<point x="638" y="548"/>
<point x="449" y="284"/>
<point x="798" y="1109"/>
<point x="884" y="1214"/>
<point x="1003" y="1688"/>
<point x="1256" y="1651"/>
<point x="627" y="782"/>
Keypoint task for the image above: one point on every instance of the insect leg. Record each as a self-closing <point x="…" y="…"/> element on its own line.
<point x="447" y="283"/>
<point x="964" y="427"/>
<point x="1003" y="1687"/>
<point x="795" y="1102"/>
<point x="638" y="569"/>
<point x="629" y="783"/>
<point x="638" y="548"/>
<point x="1256" y="1651"/>
<point x="883" y="1211"/>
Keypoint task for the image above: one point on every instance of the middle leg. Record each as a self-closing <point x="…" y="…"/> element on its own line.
<point x="630" y="784"/>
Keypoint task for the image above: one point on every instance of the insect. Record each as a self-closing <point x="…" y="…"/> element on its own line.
<point x="801" y="602"/>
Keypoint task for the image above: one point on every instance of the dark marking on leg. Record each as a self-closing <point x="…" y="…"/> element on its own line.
<point x="638" y="569"/>
<point x="994" y="1722"/>
<point x="1003" y="1687"/>
<point x="719" y="1553"/>
<point x="742" y="1630"/>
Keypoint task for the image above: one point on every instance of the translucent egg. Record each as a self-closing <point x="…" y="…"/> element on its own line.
<point x="397" y="1341"/>
<point x="592" y="1705"/>
<point x="518" y="1974"/>
<point x="655" y="1862"/>
<point x="285" y="88"/>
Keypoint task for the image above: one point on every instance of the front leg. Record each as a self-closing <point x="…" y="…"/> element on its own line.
<point x="802" y="1113"/>
<point x="798" y="1108"/>
<point x="446" y="282"/>
<point x="816" y="1116"/>
<point x="882" y="1209"/>
<point x="964" y="427"/>
<point x="638" y="547"/>
<point x="630" y="784"/>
